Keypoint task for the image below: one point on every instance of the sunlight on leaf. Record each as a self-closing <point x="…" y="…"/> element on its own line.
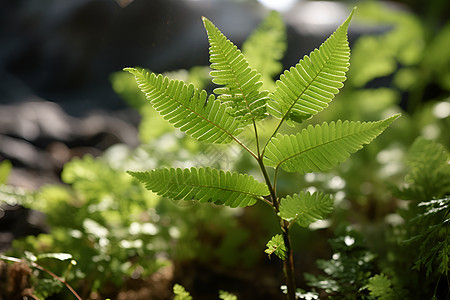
<point x="305" y="208"/>
<point x="276" y="245"/>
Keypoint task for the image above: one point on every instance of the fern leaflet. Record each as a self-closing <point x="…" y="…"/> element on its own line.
<point x="307" y="88"/>
<point x="276" y="245"/>
<point x="321" y="147"/>
<point x="305" y="208"/>
<point x="204" y="185"/>
<point x="180" y="293"/>
<point x="380" y="286"/>
<point x="430" y="171"/>
<point x="224" y="295"/>
<point x="241" y="83"/>
<point x="206" y="119"/>
<point x="265" y="47"/>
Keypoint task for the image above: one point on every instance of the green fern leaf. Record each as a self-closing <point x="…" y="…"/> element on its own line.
<point x="322" y="147"/>
<point x="187" y="108"/>
<point x="204" y="185"/>
<point x="180" y="293"/>
<point x="265" y="48"/>
<point x="307" y="88"/>
<point x="240" y="82"/>
<point x="305" y="208"/>
<point x="276" y="245"/>
<point x="224" y="295"/>
<point x="430" y="171"/>
<point x="380" y="286"/>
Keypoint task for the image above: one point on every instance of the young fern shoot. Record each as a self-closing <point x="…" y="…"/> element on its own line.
<point x="301" y="92"/>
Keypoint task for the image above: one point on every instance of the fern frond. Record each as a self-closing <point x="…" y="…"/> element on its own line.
<point x="430" y="171"/>
<point x="206" y="119"/>
<point x="322" y="147"/>
<point x="305" y="208"/>
<point x="204" y="185"/>
<point x="433" y="239"/>
<point x="380" y="286"/>
<point x="307" y="88"/>
<point x="265" y="48"/>
<point x="240" y="82"/>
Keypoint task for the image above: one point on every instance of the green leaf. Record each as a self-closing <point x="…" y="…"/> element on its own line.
<point x="224" y="295"/>
<point x="381" y="287"/>
<point x="181" y="293"/>
<point x="305" y="208"/>
<point x="307" y="88"/>
<point x="444" y="258"/>
<point x="45" y="287"/>
<point x="427" y="155"/>
<point x="204" y="185"/>
<point x="322" y="147"/>
<point x="429" y="175"/>
<point x="276" y="246"/>
<point x="187" y="108"/>
<point x="241" y="83"/>
<point x="5" y="170"/>
<point x="265" y="48"/>
<point x="432" y="240"/>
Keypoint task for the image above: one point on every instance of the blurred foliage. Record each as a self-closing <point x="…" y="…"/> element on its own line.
<point x="426" y="224"/>
<point x="380" y="287"/>
<point x="350" y="268"/>
<point x="265" y="47"/>
<point x="181" y="293"/>
<point x="412" y="252"/>
<point x="115" y="229"/>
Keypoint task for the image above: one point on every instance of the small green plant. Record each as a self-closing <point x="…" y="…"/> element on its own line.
<point x="427" y="218"/>
<point x="381" y="287"/>
<point x="411" y="258"/>
<point x="348" y="271"/>
<point x="238" y="109"/>
<point x="180" y="293"/>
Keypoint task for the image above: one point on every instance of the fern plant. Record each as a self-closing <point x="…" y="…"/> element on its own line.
<point x="427" y="216"/>
<point x="347" y="273"/>
<point x="239" y="104"/>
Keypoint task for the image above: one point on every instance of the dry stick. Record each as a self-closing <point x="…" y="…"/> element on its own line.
<point x="14" y="259"/>
<point x="57" y="278"/>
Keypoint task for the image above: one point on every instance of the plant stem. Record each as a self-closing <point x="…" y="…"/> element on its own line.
<point x="269" y="183"/>
<point x="62" y="280"/>
<point x="288" y="266"/>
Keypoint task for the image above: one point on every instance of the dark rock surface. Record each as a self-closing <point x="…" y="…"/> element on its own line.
<point x="64" y="51"/>
<point x="38" y="137"/>
<point x="17" y="221"/>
